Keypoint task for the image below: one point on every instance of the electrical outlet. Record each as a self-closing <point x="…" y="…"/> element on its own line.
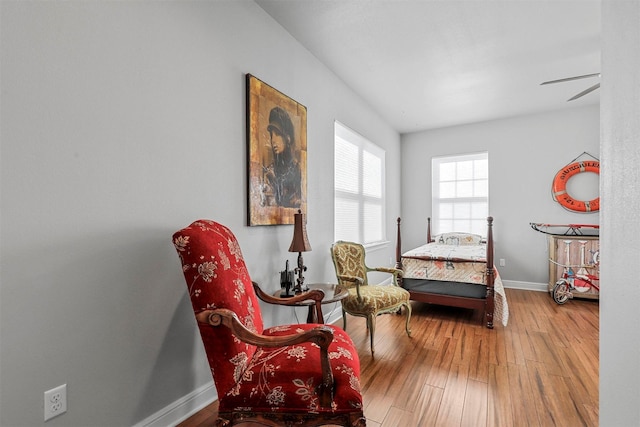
<point x="55" y="402"/>
<point x="502" y="262"/>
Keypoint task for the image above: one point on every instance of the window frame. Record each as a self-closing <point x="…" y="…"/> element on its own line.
<point x="437" y="200"/>
<point x="364" y="146"/>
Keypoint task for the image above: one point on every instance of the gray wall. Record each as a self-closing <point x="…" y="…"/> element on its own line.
<point x="121" y="123"/>
<point x="620" y="188"/>
<point x="525" y="153"/>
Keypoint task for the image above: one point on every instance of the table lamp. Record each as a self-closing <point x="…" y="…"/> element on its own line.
<point x="300" y="244"/>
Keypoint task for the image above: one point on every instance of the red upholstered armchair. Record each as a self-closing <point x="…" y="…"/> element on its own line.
<point x="303" y="375"/>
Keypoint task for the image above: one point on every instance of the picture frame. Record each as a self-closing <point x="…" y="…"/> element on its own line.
<point x="277" y="155"/>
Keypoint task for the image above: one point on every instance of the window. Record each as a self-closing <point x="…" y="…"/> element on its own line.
<point x="359" y="188"/>
<point x="460" y="193"/>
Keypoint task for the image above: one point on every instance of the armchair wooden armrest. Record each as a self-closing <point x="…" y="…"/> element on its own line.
<point x="390" y="270"/>
<point x="317" y="295"/>
<point x="358" y="281"/>
<point x="320" y="335"/>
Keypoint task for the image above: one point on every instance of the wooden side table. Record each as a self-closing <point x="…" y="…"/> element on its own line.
<point x="332" y="293"/>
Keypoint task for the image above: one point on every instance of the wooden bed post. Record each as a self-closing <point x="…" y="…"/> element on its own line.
<point x="490" y="273"/>
<point x="428" y="229"/>
<point x="398" y="250"/>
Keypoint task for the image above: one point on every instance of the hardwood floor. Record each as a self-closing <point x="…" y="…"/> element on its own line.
<point x="541" y="370"/>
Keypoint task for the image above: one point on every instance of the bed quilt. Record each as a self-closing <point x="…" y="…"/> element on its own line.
<point x="463" y="263"/>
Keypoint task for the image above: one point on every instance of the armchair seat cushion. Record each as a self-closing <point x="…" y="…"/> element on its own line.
<point x="284" y="379"/>
<point x="374" y="298"/>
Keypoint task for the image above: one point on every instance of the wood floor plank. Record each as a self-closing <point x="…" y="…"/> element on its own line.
<point x="547" y="397"/>
<point x="474" y="412"/>
<point x="547" y="353"/>
<point x="426" y="409"/>
<point x="450" y="411"/>
<point x="587" y="351"/>
<point x="499" y="403"/>
<point x="464" y="343"/>
<point x="479" y="362"/>
<point x="584" y="380"/>
<point x="523" y="399"/>
<point x="407" y="397"/>
<point x="514" y="348"/>
<point x="396" y="417"/>
<point x="590" y="412"/>
<point x="527" y="339"/>
<point x="435" y="334"/>
<point x="568" y="411"/>
<point x="439" y="371"/>
<point x="377" y="397"/>
<point x="377" y="406"/>
<point x="406" y="370"/>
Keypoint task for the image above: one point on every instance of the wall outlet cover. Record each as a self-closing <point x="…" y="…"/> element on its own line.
<point x="55" y="402"/>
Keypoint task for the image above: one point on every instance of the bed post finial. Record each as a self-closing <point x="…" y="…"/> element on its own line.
<point x="490" y="244"/>
<point x="398" y="248"/>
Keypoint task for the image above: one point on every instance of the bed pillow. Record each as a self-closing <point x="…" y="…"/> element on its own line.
<point x="458" y="239"/>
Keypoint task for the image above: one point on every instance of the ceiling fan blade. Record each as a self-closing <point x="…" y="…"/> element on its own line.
<point x="568" y="79"/>
<point x="584" y="92"/>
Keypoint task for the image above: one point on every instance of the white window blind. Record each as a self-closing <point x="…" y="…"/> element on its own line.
<point x="359" y="188"/>
<point x="460" y="193"/>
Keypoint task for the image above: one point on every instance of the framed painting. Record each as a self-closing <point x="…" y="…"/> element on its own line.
<point x="277" y="155"/>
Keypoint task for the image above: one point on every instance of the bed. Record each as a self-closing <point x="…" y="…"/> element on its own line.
<point x="456" y="270"/>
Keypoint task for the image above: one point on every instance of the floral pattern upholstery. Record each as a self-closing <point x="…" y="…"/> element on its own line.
<point x="366" y="300"/>
<point x="247" y="377"/>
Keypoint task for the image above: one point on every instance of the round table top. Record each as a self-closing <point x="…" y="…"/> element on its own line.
<point x="332" y="293"/>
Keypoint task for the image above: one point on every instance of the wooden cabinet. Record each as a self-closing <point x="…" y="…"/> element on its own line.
<point x="580" y="254"/>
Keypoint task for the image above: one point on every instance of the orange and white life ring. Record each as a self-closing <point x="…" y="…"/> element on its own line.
<point x="559" y="188"/>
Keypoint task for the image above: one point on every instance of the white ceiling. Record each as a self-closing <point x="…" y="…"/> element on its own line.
<point x="425" y="64"/>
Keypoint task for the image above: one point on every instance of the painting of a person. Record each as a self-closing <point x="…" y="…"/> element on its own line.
<point x="283" y="177"/>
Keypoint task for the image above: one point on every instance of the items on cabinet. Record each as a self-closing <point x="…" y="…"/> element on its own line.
<point x="580" y="256"/>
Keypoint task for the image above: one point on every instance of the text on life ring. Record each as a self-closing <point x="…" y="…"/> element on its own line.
<point x="559" y="188"/>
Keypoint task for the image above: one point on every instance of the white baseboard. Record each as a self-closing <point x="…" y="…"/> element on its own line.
<point x="182" y="408"/>
<point x="526" y="286"/>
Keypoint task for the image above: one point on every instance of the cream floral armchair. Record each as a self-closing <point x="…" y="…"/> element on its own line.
<point x="367" y="300"/>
